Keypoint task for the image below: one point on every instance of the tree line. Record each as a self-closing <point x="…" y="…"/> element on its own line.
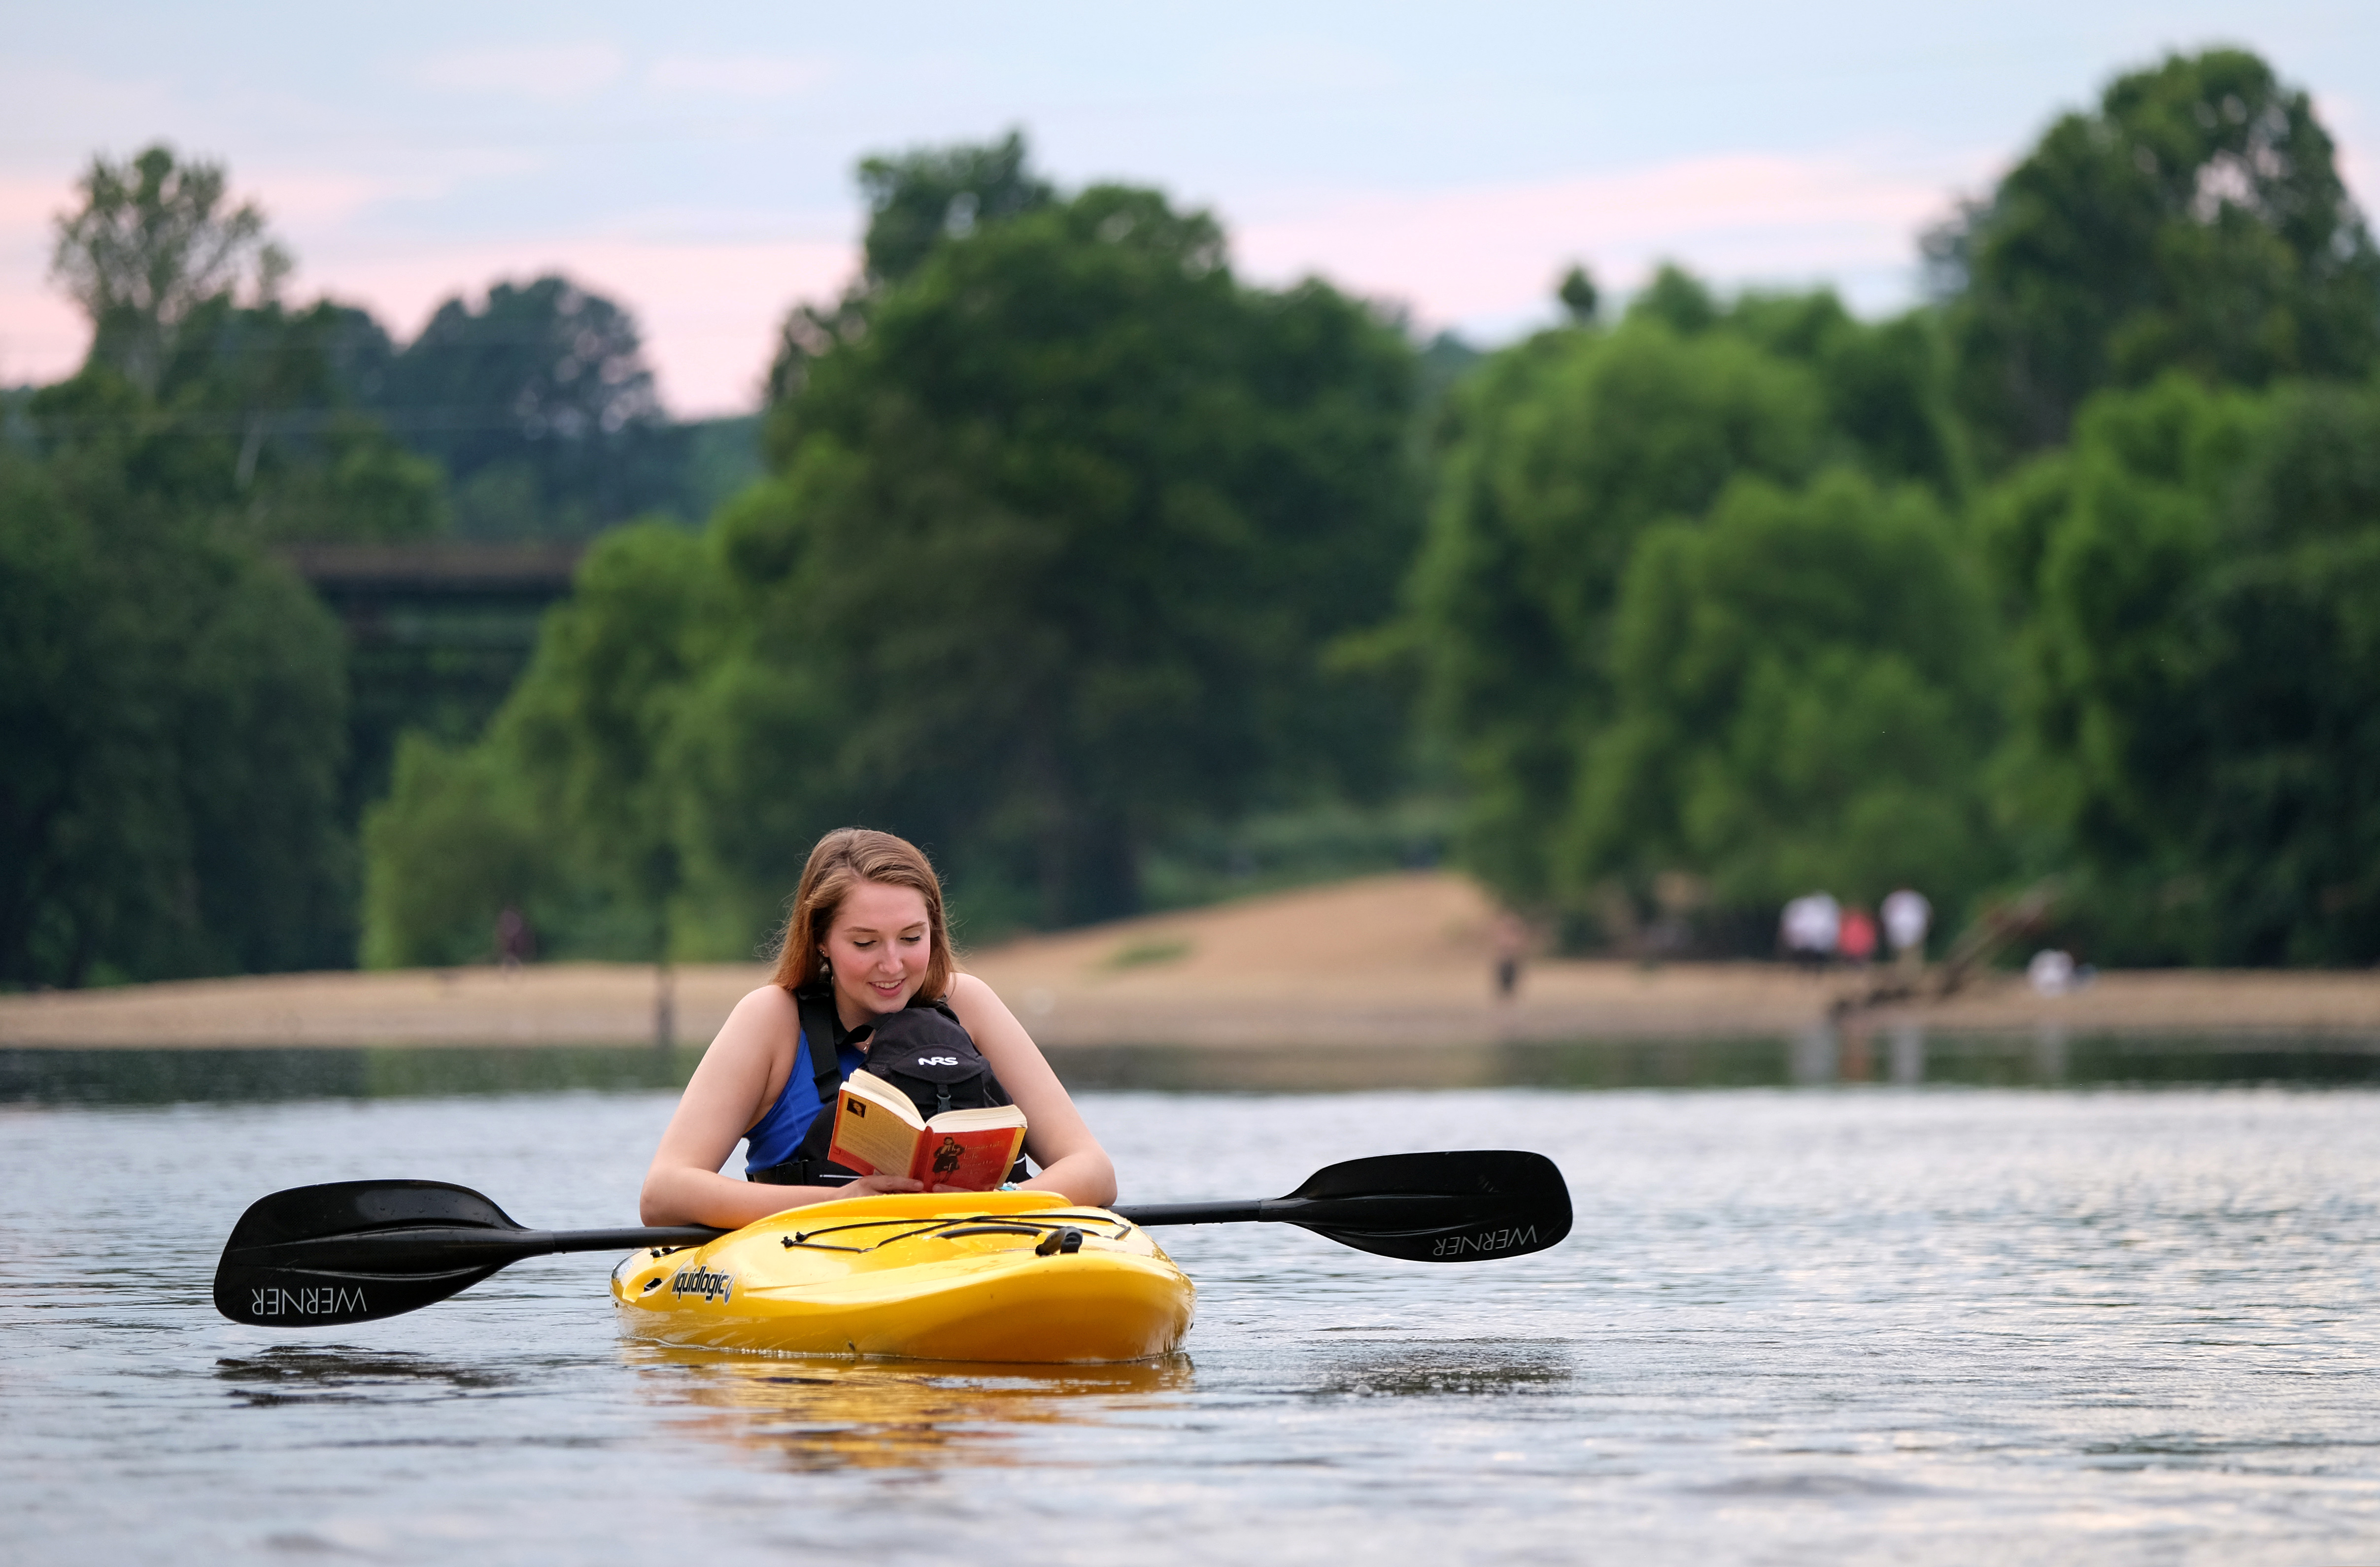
<point x="176" y="788"/>
<point x="1076" y="556"/>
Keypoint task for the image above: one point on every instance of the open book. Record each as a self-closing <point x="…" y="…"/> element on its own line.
<point x="877" y="1129"/>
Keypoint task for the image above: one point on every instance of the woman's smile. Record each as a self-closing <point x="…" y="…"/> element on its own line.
<point x="878" y="950"/>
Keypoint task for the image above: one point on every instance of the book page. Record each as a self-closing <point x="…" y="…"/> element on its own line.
<point x="869" y="1135"/>
<point x="975" y="1120"/>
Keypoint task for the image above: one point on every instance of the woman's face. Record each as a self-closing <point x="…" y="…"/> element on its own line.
<point x="879" y="946"/>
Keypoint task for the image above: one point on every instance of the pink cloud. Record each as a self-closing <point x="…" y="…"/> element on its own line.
<point x="1489" y="251"/>
<point x="42" y="337"/>
<point x="708" y="309"/>
<point x="2358" y="165"/>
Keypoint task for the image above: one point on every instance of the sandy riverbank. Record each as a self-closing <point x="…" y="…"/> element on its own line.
<point x="1399" y="960"/>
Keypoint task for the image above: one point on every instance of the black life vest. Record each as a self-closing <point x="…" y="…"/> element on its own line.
<point x="924" y="1051"/>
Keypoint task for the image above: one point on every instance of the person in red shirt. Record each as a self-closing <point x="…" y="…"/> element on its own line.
<point x="1857" y="941"/>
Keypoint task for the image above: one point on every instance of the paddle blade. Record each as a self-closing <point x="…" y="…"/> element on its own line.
<point x="352" y="1251"/>
<point x="1459" y="1207"/>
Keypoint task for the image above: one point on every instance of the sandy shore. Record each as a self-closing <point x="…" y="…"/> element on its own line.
<point x="1400" y="960"/>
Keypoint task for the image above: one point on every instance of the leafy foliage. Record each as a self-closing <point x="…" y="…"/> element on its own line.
<point x="154" y="241"/>
<point x="1059" y="542"/>
<point x="1078" y="560"/>
<point x="2197" y="221"/>
<point x="1804" y="697"/>
<point x="453" y="845"/>
<point x="917" y="200"/>
<point x="171" y="726"/>
<point x="539" y="407"/>
<point x="2201" y="570"/>
<point x="1078" y="514"/>
<point x="1562" y="460"/>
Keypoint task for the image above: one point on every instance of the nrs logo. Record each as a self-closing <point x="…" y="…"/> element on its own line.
<point x="938" y="1060"/>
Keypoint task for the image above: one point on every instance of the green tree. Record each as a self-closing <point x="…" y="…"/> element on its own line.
<point x="1886" y="385"/>
<point x="240" y="406"/>
<point x="540" y="407"/>
<point x="171" y="727"/>
<point x="616" y="796"/>
<point x="1558" y="453"/>
<point x="154" y="241"/>
<point x="2199" y="573"/>
<point x="457" y="841"/>
<point x="2197" y="221"/>
<point x="250" y="402"/>
<point x="915" y="202"/>
<point x="920" y="199"/>
<point x="589" y="727"/>
<point x="1579" y="297"/>
<point x="1804" y="697"/>
<point x="1557" y="457"/>
<point x="1070" y="524"/>
<point x="1050" y="568"/>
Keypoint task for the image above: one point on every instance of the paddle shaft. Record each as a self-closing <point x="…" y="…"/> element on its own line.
<point x="1147" y="1213"/>
<point x="1383" y="1210"/>
<point x="457" y="1246"/>
<point x="352" y="1251"/>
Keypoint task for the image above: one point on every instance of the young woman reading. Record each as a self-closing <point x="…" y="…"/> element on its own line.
<point x="865" y="939"/>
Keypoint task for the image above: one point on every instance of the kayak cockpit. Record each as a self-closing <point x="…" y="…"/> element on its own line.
<point x="1019" y="1276"/>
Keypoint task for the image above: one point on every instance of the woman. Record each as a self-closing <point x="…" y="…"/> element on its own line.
<point x="865" y="940"/>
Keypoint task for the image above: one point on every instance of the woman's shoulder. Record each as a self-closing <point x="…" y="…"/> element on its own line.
<point x="966" y="988"/>
<point x="770" y="1005"/>
<point x="970" y="994"/>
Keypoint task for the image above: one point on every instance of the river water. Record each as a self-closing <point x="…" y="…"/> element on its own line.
<point x="1820" y="1323"/>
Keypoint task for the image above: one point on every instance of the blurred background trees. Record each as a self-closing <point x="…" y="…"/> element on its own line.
<point x="1065" y="522"/>
<point x="1117" y="581"/>
<point x="2197" y="221"/>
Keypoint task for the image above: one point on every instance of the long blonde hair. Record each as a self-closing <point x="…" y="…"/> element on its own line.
<point x="842" y="859"/>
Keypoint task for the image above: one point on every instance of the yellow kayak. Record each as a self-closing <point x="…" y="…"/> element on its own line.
<point x="1010" y="1276"/>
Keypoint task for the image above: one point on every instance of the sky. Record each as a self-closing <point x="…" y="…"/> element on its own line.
<point x="695" y="163"/>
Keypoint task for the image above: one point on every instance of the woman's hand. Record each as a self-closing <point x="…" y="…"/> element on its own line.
<point x="879" y="1185"/>
<point x="1073" y="1164"/>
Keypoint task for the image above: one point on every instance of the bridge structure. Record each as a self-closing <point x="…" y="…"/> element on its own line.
<point x="438" y="633"/>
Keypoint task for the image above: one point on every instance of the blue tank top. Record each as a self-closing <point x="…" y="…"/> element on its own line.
<point x="777" y="1136"/>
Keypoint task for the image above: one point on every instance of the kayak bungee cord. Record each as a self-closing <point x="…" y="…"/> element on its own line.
<point x="983" y="1224"/>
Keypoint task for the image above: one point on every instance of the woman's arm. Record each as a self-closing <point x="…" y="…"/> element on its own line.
<point x="728" y="1094"/>
<point x="1073" y="1163"/>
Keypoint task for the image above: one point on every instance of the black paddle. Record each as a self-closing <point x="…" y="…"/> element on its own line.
<point x="1422" y="1207"/>
<point x="352" y="1251"/>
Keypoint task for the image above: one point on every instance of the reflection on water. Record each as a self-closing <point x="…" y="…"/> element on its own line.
<point x="267" y="1075"/>
<point x="1488" y="1368"/>
<point x="819" y="1414"/>
<point x="1905" y="1056"/>
<point x="335" y="1374"/>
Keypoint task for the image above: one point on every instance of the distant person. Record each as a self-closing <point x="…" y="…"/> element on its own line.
<point x="1855" y="939"/>
<point x="1906" y="917"/>
<point x="1512" y="946"/>
<point x="1809" y="929"/>
<point x="2051" y="973"/>
<point x="516" y="941"/>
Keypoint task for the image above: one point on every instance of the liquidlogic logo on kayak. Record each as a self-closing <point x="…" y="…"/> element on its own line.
<point x="319" y="1300"/>
<point x="1485" y="1243"/>
<point x="720" y="1287"/>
